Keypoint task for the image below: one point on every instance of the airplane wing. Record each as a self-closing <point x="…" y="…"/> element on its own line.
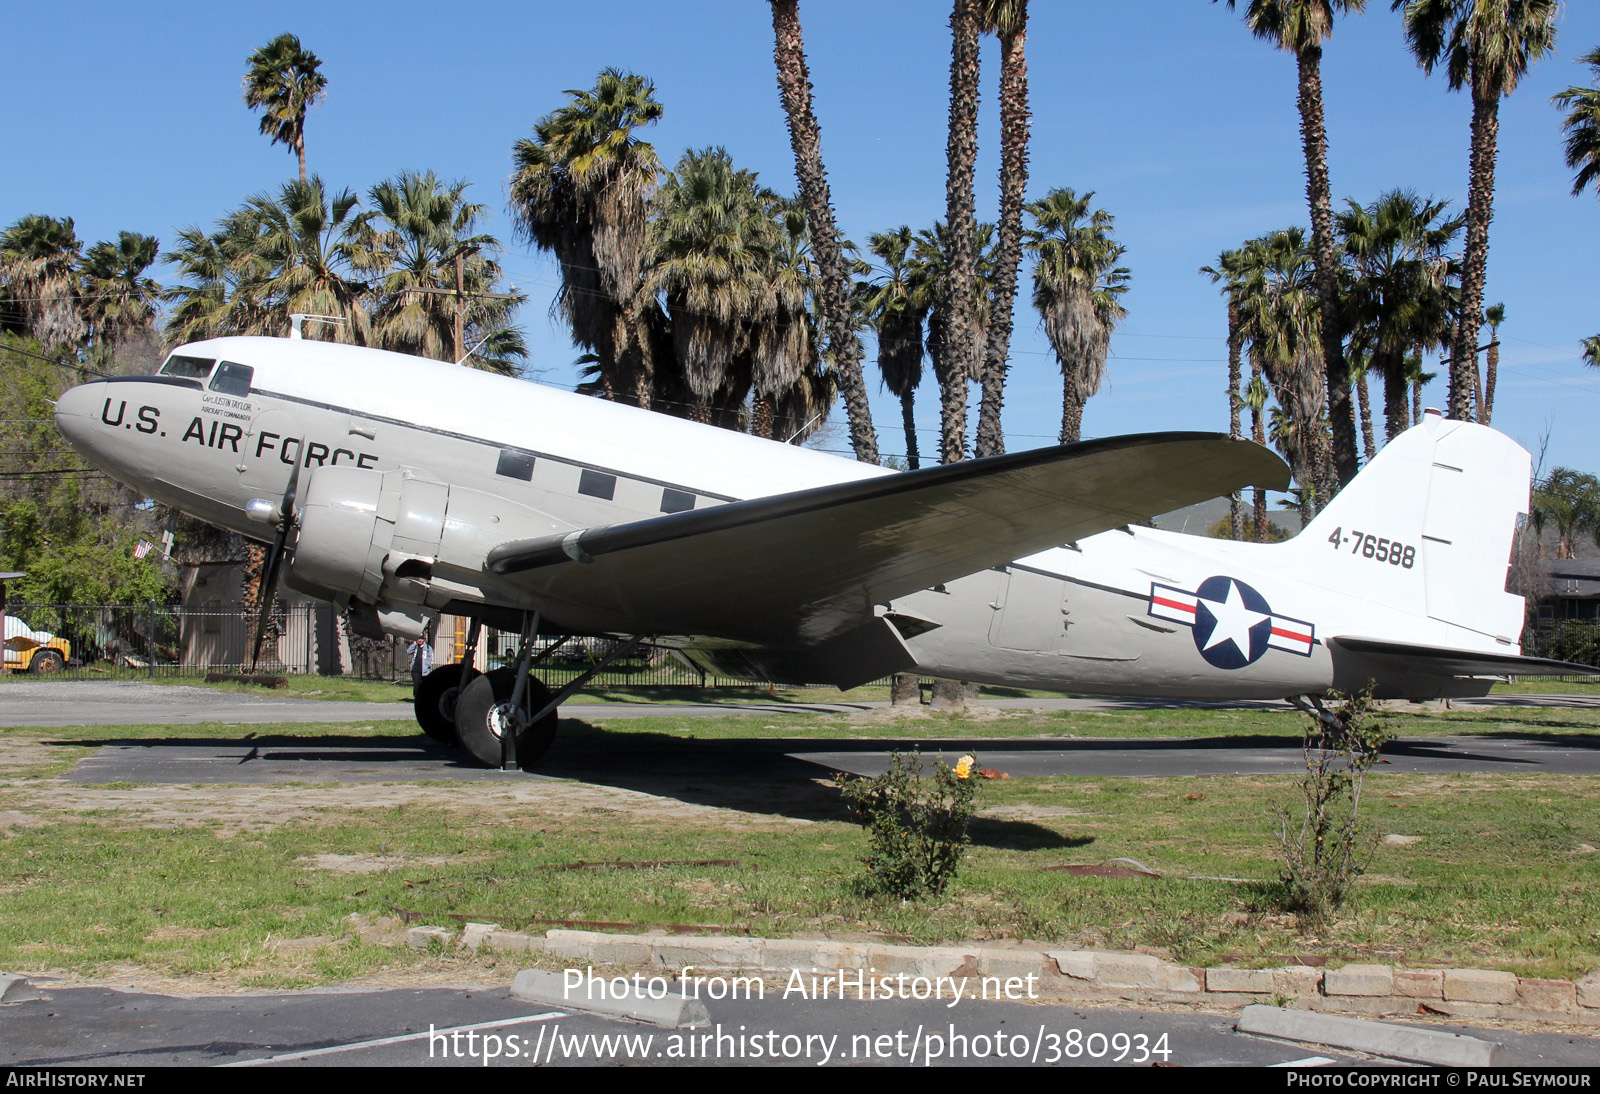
<point x="800" y="568"/>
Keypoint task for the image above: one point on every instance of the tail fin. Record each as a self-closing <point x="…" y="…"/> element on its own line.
<point x="1428" y="527"/>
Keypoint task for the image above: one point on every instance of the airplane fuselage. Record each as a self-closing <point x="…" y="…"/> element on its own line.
<point x="1127" y="612"/>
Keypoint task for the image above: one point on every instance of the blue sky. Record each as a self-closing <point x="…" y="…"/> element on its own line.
<point x="131" y="116"/>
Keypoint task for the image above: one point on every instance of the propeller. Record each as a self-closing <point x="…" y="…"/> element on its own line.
<point x="269" y="579"/>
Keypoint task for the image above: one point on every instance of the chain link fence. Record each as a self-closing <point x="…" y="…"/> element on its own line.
<point x="121" y="641"/>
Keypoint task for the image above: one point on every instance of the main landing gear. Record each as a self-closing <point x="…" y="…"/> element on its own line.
<point x="506" y="717"/>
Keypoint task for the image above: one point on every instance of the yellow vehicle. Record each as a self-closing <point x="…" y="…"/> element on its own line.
<point x="38" y="652"/>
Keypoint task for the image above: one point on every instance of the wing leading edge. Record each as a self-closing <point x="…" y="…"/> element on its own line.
<point x="803" y="567"/>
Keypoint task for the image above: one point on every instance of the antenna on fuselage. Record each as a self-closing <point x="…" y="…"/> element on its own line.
<point x="299" y="317"/>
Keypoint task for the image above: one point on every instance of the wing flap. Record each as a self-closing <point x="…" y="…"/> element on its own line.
<point x="802" y="567"/>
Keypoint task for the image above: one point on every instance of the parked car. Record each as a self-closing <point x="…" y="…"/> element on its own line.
<point x="38" y="652"/>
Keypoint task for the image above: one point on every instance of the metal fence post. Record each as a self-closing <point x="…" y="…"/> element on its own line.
<point x="150" y="641"/>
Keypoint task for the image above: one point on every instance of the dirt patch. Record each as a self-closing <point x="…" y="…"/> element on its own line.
<point x="370" y="864"/>
<point x="241" y="810"/>
<point x="21" y="753"/>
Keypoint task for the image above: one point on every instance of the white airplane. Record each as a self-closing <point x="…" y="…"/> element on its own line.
<point x="399" y="488"/>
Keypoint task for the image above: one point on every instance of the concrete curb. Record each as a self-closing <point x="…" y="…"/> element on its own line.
<point x="1423" y="1046"/>
<point x="1087" y="975"/>
<point x="17" y="989"/>
<point x="620" y="997"/>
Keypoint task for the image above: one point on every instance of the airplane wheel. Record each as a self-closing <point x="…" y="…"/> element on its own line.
<point x="435" y="703"/>
<point x="483" y="713"/>
<point x="47" y="663"/>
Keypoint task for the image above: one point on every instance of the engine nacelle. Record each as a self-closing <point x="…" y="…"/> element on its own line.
<point x="374" y="541"/>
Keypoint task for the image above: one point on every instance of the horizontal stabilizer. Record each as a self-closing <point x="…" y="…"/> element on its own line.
<point x="1434" y="660"/>
<point x="797" y="568"/>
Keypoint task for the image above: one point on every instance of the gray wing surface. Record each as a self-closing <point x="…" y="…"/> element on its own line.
<point x="799" y="568"/>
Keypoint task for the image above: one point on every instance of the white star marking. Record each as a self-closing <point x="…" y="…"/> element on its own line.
<point x="1234" y="620"/>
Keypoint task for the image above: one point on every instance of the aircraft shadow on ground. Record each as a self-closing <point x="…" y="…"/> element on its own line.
<point x="788" y="777"/>
<point x="750" y="775"/>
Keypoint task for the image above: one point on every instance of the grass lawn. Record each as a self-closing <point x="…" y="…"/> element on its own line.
<point x="206" y="882"/>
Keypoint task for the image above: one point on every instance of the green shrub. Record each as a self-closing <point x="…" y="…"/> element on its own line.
<point x="916" y="825"/>
<point x="1326" y="848"/>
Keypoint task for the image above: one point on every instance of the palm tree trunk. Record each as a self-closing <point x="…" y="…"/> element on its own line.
<point x="1475" y="258"/>
<point x="1258" y="433"/>
<point x="805" y="137"/>
<point x="960" y="335"/>
<point x="1008" y="255"/>
<point x="908" y="419"/>
<point x="761" y="418"/>
<point x="1235" y="506"/>
<point x="1369" y="444"/>
<point x="1491" y="368"/>
<point x="1314" y="136"/>
<point x="300" y="153"/>
<point x="1394" y="396"/>
<point x="1071" y="417"/>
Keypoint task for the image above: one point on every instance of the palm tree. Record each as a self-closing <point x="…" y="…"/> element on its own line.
<point x="896" y="302"/>
<point x="1280" y="319"/>
<point x="1008" y="20"/>
<point x="1400" y="291"/>
<point x="1255" y="397"/>
<point x="930" y="264"/>
<point x="783" y="348"/>
<point x="1299" y="27"/>
<point x="1230" y="269"/>
<point x="295" y="252"/>
<point x="283" y="82"/>
<point x="805" y="137"/>
<point x="1569" y="501"/>
<point x="1077" y="286"/>
<point x="711" y="249"/>
<point x="309" y="247"/>
<point x="426" y="225"/>
<point x="958" y="361"/>
<point x="119" y="301"/>
<point x="1582" y="125"/>
<point x="581" y="190"/>
<point x="207" y="301"/>
<point x="39" y="258"/>
<point x="1485" y="46"/>
<point x="1591" y="351"/>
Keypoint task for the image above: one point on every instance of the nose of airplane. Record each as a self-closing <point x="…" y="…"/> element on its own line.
<point x="73" y="417"/>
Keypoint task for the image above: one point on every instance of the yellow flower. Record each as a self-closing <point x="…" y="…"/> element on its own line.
<point x="963" y="768"/>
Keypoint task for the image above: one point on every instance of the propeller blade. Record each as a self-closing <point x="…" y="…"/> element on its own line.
<point x="269" y="577"/>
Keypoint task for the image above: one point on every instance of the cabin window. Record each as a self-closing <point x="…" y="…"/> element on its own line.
<point x="232" y="379"/>
<point x="676" y="501"/>
<point x="597" y="484"/>
<point x="515" y="465"/>
<point x="190" y="368"/>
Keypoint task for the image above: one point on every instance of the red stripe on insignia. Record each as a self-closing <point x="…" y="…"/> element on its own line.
<point x="1165" y="603"/>
<point x="1296" y="635"/>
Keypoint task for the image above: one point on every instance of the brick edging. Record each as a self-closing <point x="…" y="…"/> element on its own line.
<point x="1071" y="974"/>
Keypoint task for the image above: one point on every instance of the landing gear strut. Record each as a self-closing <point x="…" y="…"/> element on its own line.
<point x="507" y="718"/>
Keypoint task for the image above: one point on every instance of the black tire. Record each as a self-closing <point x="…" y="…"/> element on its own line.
<point x="47" y="663"/>
<point x="435" y="704"/>
<point x="478" y="701"/>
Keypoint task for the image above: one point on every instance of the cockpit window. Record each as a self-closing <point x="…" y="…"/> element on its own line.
<point x="232" y="379"/>
<point x="190" y="368"/>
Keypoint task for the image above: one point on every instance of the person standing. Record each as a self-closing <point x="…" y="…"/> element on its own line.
<point x="421" y="660"/>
